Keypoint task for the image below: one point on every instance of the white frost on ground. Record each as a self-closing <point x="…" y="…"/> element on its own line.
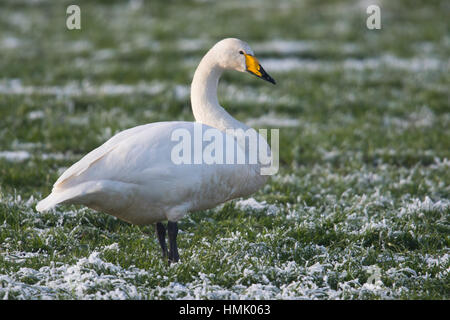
<point x="417" y="206"/>
<point x="272" y="120"/>
<point x="79" y="280"/>
<point x="94" y="278"/>
<point x="15" y="156"/>
<point x="10" y="43"/>
<point x="323" y="276"/>
<point x="423" y="118"/>
<point x="297" y="46"/>
<point x="15" y="86"/>
<point x="37" y="114"/>
<point x="251" y="204"/>
<point x="284" y="46"/>
<point x="387" y="61"/>
<point x="22" y="155"/>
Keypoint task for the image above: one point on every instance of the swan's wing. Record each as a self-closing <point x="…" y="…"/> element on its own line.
<point x="133" y="174"/>
<point x="98" y="153"/>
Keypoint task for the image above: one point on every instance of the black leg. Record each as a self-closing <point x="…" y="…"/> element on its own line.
<point x="172" y="228"/>
<point x="161" y="233"/>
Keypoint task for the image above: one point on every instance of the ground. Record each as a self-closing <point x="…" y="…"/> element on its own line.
<point x="359" y="209"/>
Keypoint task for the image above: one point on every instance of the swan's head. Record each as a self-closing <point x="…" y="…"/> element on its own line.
<point x="235" y="54"/>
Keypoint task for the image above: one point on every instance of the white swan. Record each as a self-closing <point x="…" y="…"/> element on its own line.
<point x="132" y="175"/>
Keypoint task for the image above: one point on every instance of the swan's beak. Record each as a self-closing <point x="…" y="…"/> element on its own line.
<point x="253" y="67"/>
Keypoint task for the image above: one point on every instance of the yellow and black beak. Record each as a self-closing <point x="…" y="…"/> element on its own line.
<point x="253" y="67"/>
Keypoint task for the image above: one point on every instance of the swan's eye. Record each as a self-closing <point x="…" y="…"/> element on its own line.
<point x="241" y="52"/>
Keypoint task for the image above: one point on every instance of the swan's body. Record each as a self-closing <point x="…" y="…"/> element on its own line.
<point x="132" y="175"/>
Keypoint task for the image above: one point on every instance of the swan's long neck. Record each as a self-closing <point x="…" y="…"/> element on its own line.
<point x="205" y="105"/>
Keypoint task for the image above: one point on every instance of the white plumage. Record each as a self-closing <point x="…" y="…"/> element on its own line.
<point x="132" y="175"/>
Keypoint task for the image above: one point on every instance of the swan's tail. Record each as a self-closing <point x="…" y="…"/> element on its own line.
<point x="58" y="196"/>
<point x="52" y="200"/>
<point x="111" y="194"/>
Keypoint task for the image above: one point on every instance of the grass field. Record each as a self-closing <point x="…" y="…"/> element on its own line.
<point x="360" y="208"/>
